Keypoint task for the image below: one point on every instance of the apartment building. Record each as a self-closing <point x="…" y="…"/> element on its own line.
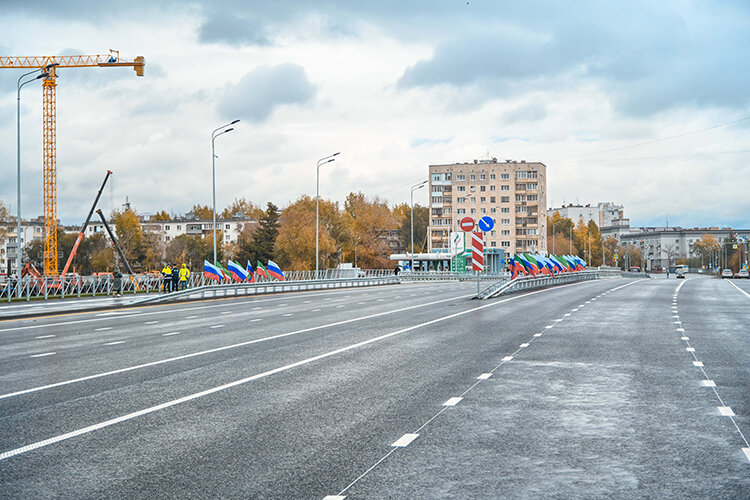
<point x="30" y="230"/>
<point x="512" y="193"/>
<point x="603" y="214"/>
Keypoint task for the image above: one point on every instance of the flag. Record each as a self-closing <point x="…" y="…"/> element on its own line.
<point x="224" y="271"/>
<point x="261" y="271"/>
<point x="539" y="265"/>
<point x="275" y="271"/>
<point x="211" y="271"/>
<point x="513" y="269"/>
<point x="250" y="272"/>
<point x="557" y="264"/>
<point x="528" y="265"/>
<point x="236" y="271"/>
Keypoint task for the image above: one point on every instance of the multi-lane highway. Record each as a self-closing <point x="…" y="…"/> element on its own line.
<point x="622" y="387"/>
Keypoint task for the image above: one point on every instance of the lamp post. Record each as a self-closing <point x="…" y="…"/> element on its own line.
<point x="356" y="240"/>
<point x="322" y="161"/>
<point x="411" y="212"/>
<point x="19" y="85"/>
<point x="221" y="130"/>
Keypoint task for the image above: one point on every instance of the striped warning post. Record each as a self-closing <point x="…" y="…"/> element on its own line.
<point x="477" y="251"/>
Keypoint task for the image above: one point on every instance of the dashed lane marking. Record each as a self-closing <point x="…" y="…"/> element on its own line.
<point x="42" y="355"/>
<point x="484" y="376"/>
<point x="725" y="411"/>
<point x="115" y="342"/>
<point x="170" y="334"/>
<point x="690" y="349"/>
<point x="746" y="451"/>
<point x="698" y="363"/>
<point x="155" y="322"/>
<point x="684" y="338"/>
<point x="524" y="345"/>
<point x="102" y="329"/>
<point x="405" y="440"/>
<point x="315" y="310"/>
<point x="44" y="337"/>
<point x="507" y="358"/>
<point x="191" y="317"/>
<point x="287" y="315"/>
<point x="708" y="383"/>
<point x="453" y="401"/>
<point x="256" y="319"/>
<point x="216" y="326"/>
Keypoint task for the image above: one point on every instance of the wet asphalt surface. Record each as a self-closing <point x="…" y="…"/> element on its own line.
<point x="587" y="390"/>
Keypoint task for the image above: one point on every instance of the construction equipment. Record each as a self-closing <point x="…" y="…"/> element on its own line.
<point x="114" y="241"/>
<point x="85" y="224"/>
<point x="50" y="129"/>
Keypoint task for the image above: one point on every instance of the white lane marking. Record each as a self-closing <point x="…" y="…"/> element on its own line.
<point x="115" y="342"/>
<point x="305" y="301"/>
<point x="558" y="319"/>
<point x="690" y="349"/>
<point x="537" y="335"/>
<point x="678" y="322"/>
<point x="746" y="451"/>
<point x="575" y="310"/>
<point x="484" y="376"/>
<point x="680" y="329"/>
<point x="725" y="411"/>
<point x="334" y="497"/>
<point x="740" y="289"/>
<point x="287" y="315"/>
<point x="524" y="345"/>
<point x="340" y="306"/>
<point x="684" y="338"/>
<point x="170" y="334"/>
<point x="216" y="326"/>
<point x="405" y="440"/>
<point x="226" y="312"/>
<point x="282" y="305"/>
<point x="242" y="344"/>
<point x="453" y="401"/>
<point x="102" y="329"/>
<point x="548" y="326"/>
<point x="184" y="399"/>
<point x="191" y="317"/>
<point x="256" y="308"/>
<point x="698" y="363"/>
<point x="154" y="322"/>
<point x="315" y="310"/>
<point x="43" y="354"/>
<point x="708" y="383"/>
<point x="256" y="319"/>
<point x="44" y="337"/>
<point x="507" y="358"/>
<point x="567" y="314"/>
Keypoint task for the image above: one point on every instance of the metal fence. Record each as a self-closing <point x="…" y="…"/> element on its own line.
<point x="531" y="282"/>
<point x="242" y="289"/>
<point x="32" y="288"/>
<point x="408" y="276"/>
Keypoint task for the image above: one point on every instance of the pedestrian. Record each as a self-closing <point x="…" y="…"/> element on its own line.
<point x="396" y="270"/>
<point x="117" y="281"/>
<point x="184" y="275"/>
<point x="175" y="277"/>
<point x="166" y="273"/>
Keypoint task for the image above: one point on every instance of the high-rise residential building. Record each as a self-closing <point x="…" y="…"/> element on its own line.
<point x="603" y="214"/>
<point x="512" y="193"/>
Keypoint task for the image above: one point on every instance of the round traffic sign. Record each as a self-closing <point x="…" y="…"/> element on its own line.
<point x="467" y="224"/>
<point x="486" y="223"/>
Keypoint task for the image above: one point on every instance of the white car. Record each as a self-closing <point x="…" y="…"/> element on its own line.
<point x="726" y="273"/>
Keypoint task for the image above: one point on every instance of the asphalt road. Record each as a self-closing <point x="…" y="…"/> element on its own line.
<point x="409" y="391"/>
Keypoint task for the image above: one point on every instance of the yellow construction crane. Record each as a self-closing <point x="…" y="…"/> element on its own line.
<point x="50" y="129"/>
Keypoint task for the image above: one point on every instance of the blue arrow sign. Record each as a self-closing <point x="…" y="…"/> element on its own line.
<point x="486" y="223"/>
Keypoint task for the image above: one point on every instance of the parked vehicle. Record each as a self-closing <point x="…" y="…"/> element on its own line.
<point x="634" y="269"/>
<point x="742" y="273"/>
<point x="726" y="273"/>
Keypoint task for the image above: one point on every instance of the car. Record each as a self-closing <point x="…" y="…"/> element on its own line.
<point x="726" y="273"/>
<point x="742" y="273"/>
<point x="635" y="269"/>
<point x="680" y="272"/>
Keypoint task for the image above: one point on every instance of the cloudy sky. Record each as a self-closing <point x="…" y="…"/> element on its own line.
<point x="643" y="103"/>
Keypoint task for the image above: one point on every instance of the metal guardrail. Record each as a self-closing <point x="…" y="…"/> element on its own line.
<point x="242" y="289"/>
<point x="531" y="282"/>
<point x="32" y="288"/>
<point x="408" y="276"/>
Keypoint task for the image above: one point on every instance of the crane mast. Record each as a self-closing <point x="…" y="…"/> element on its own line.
<point x="49" y="118"/>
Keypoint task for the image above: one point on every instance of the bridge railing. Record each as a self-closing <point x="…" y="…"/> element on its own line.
<point x="408" y="276"/>
<point x="531" y="282"/>
<point x="242" y="289"/>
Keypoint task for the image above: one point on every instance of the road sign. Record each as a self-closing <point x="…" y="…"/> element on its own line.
<point x="467" y="224"/>
<point x="477" y="249"/>
<point x="486" y="224"/>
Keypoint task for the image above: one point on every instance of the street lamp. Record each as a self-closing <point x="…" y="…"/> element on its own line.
<point x="222" y="130"/>
<point x="322" y="161"/>
<point x="411" y="212"/>
<point x="43" y="73"/>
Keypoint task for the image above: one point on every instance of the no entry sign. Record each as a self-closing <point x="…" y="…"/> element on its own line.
<point x="467" y="224"/>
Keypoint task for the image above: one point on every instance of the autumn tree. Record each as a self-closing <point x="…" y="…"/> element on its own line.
<point x="706" y="246"/>
<point x="261" y="245"/>
<point x="295" y="243"/>
<point x="402" y="214"/>
<point x="161" y="215"/>
<point x="202" y="212"/>
<point x="369" y="220"/>
<point x="558" y="233"/>
<point x="193" y="250"/>
<point x="129" y="236"/>
<point x="243" y="208"/>
<point x="4" y="220"/>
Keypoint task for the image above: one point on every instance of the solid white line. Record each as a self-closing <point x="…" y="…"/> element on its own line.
<point x="44" y="337"/>
<point x="233" y="346"/>
<point x="102" y="329"/>
<point x="168" y="404"/>
<point x="115" y="342"/>
<point x="452" y="401"/>
<point x="405" y="440"/>
<point x="740" y="289"/>
<point x="43" y="354"/>
<point x="725" y="411"/>
<point x="484" y="376"/>
<point x="169" y="334"/>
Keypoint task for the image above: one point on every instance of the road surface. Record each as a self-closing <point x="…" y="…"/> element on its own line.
<point x="621" y="387"/>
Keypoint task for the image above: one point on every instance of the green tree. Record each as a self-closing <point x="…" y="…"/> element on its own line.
<point x="261" y="246"/>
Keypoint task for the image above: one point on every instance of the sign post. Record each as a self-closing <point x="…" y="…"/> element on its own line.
<point x="477" y="254"/>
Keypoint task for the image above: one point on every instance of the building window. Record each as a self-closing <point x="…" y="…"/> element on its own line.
<point x="166" y="228"/>
<point x="460" y="211"/>
<point x="460" y="177"/>
<point x="493" y="210"/>
<point x="167" y="238"/>
<point x="532" y="187"/>
<point x="473" y="210"/>
<point x="505" y="222"/>
<point x="482" y="177"/>
<point x="461" y="188"/>
<point x="505" y="232"/>
<point x="483" y="188"/>
<point x="492" y="177"/>
<point x="460" y="200"/>
<point x="504" y="177"/>
<point x="482" y="210"/>
<point x="483" y="199"/>
<point x="493" y="244"/>
<point x="226" y="226"/>
<point x="505" y="199"/>
<point x="505" y="187"/>
<point x="493" y="233"/>
<point x="473" y="177"/>
<point x="492" y="199"/>
<point x="179" y="228"/>
<point x="492" y="188"/>
<point x="505" y="244"/>
<point x="473" y="189"/>
<point x="473" y="199"/>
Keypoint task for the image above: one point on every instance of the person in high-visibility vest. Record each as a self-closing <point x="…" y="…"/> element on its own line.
<point x="184" y="275"/>
<point x="167" y="273"/>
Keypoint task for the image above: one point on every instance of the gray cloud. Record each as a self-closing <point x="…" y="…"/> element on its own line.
<point x="233" y="29"/>
<point x="265" y="88"/>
